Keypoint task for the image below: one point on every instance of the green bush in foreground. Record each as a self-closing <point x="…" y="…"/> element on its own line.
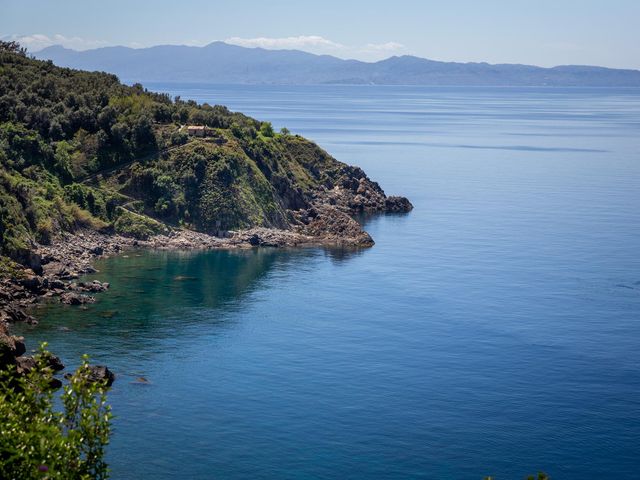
<point x="38" y="442"/>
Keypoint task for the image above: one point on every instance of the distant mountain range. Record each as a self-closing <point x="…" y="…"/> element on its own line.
<point x="223" y="63"/>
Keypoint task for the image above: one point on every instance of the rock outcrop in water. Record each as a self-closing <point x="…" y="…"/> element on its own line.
<point x="12" y="354"/>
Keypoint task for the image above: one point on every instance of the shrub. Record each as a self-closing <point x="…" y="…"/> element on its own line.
<point x="137" y="226"/>
<point x="10" y="269"/>
<point x="179" y="138"/>
<point x="266" y="129"/>
<point x="44" y="230"/>
<point x="37" y="441"/>
<point x="83" y="218"/>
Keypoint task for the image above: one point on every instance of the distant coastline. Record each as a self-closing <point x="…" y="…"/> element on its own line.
<point x="222" y="63"/>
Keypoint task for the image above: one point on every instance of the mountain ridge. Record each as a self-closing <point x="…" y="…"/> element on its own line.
<point x="223" y="63"/>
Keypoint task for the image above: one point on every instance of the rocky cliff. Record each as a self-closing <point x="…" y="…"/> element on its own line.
<point x="89" y="166"/>
<point x="81" y="150"/>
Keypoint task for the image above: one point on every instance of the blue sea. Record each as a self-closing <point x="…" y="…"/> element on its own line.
<point x="494" y="330"/>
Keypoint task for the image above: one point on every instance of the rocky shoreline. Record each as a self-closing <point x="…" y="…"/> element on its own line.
<point x="52" y="271"/>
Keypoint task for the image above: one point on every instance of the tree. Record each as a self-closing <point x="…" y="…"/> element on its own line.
<point x="266" y="129"/>
<point x="284" y="131"/>
<point x="13" y="47"/>
<point x="37" y="441"/>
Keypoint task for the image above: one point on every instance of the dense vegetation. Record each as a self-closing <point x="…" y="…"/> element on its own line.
<point x="63" y="132"/>
<point x="37" y="441"/>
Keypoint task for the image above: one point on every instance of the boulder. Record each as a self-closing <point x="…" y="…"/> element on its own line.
<point x="398" y="205"/>
<point x="54" y="362"/>
<point x="11" y="347"/>
<point x="12" y="314"/>
<point x="255" y="240"/>
<point x="56" y="284"/>
<point x="332" y="225"/>
<point x="72" y="298"/>
<point x="55" y="383"/>
<point x="25" y="365"/>
<point x="33" y="283"/>
<point x="34" y="262"/>
<point x="100" y="373"/>
<point x="94" y="287"/>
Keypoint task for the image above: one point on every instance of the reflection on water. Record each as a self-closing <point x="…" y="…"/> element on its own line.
<point x="151" y="291"/>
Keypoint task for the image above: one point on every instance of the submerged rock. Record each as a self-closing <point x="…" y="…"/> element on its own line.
<point x="94" y="287"/>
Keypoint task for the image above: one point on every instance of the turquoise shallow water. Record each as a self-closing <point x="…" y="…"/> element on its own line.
<point x="492" y="331"/>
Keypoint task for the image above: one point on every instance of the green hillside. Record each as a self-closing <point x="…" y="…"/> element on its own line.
<point x="80" y="149"/>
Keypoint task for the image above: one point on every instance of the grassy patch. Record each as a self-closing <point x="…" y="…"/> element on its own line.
<point x="138" y="226"/>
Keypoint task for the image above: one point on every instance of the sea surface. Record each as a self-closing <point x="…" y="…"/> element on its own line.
<point x="494" y="330"/>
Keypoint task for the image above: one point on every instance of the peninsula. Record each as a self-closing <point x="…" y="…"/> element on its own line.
<point x="89" y="166"/>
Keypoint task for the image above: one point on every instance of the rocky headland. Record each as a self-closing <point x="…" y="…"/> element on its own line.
<point x="90" y="167"/>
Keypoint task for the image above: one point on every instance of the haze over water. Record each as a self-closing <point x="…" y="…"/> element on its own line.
<point x="492" y="331"/>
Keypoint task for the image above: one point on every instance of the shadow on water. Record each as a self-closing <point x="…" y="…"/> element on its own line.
<point x="154" y="295"/>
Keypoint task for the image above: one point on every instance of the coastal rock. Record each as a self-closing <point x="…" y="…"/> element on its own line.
<point x="60" y="271"/>
<point x="100" y="373"/>
<point x="97" y="373"/>
<point x="354" y="193"/>
<point x="12" y="313"/>
<point x="34" y="283"/>
<point x="30" y="259"/>
<point x="95" y="286"/>
<point x="54" y="362"/>
<point x="55" y="383"/>
<point x="268" y="237"/>
<point x="395" y="204"/>
<point x="56" y="284"/>
<point x="72" y="298"/>
<point x="333" y="226"/>
<point x="11" y="347"/>
<point x="25" y="365"/>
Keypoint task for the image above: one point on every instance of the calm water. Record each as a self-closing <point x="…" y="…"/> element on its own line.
<point x="492" y="331"/>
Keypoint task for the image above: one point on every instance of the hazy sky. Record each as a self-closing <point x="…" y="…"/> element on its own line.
<point x="540" y="32"/>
